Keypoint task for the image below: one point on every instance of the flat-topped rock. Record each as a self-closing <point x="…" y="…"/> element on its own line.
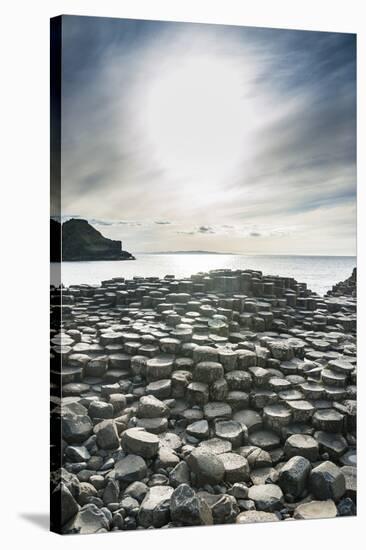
<point x="316" y="509"/>
<point x="255" y="516"/>
<point x="327" y="481"/>
<point x="267" y="498"/>
<point x="302" y="445"/>
<point x="236" y="467"/>
<point x="130" y="468"/>
<point x="265" y="439"/>
<point x="139" y="442"/>
<point x="207" y="466"/>
<point x="217" y="409"/>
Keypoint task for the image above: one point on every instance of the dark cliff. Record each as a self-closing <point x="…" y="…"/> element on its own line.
<point x="82" y="242"/>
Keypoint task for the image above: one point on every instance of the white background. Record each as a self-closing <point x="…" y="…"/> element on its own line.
<point x="24" y="210"/>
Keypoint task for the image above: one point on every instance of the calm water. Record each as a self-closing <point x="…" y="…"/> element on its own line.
<point x="319" y="272"/>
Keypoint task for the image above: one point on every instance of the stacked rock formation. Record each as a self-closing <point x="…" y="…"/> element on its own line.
<point x="347" y="287"/>
<point x="227" y="397"/>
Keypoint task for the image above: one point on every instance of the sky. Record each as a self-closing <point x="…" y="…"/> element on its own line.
<point x="179" y="136"/>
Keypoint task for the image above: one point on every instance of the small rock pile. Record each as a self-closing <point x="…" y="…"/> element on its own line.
<point x="227" y="397"/>
<point x="347" y="287"/>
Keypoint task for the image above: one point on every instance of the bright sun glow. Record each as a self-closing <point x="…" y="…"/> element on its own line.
<point x="196" y="118"/>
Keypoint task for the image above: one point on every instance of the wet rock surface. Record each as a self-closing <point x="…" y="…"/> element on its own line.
<point x="228" y="397"/>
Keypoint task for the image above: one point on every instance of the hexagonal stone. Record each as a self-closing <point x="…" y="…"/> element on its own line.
<point x="328" y="420"/>
<point x="76" y="424"/>
<point x="223" y="507"/>
<point x="204" y="353"/>
<point x="302" y="445"/>
<point x="100" y="409"/>
<point x="154" y="510"/>
<point x="236" y="467"/>
<point x="217" y="409"/>
<point x="254" y="516"/>
<point x="208" y="372"/>
<point x="261" y="476"/>
<point x="219" y="390"/>
<point x="228" y="358"/>
<point x="216" y="446"/>
<point x="301" y="410"/>
<point x="327" y="481"/>
<point x="277" y="415"/>
<point x="316" y="509"/>
<point x="179" y="383"/>
<point x="151" y="407"/>
<point x="199" y="429"/>
<point x="293" y="475"/>
<point x="130" y="468"/>
<point x="197" y="393"/>
<point x="74" y="389"/>
<point x="238" y="380"/>
<point x="349" y="458"/>
<point x="267" y="498"/>
<point x="265" y="439"/>
<point x="251" y="419"/>
<point x="139" y="442"/>
<point x="231" y="431"/>
<point x="153" y="425"/>
<point x="107" y="434"/>
<point x="333" y="444"/>
<point x="260" y="376"/>
<point x="256" y="457"/>
<point x="188" y="508"/>
<point x="159" y="367"/>
<point x="161" y="389"/>
<point x="341" y="366"/>
<point x="350" y="475"/>
<point x="170" y="440"/>
<point x="246" y="359"/>
<point x="333" y="378"/>
<point x="237" y="400"/>
<point x="90" y="519"/>
<point x="207" y="466"/>
<point x="170" y="345"/>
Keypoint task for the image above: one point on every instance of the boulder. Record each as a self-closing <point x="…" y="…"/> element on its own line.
<point x="267" y="498"/>
<point x="189" y="509"/>
<point x="140" y="442"/>
<point x="316" y="509"/>
<point x="76" y="424"/>
<point x="302" y="445"/>
<point x="130" y="468"/>
<point x="293" y="476"/>
<point x="327" y="482"/>
<point x="207" y="467"/>
<point x="154" y="510"/>
<point x="107" y="434"/>
<point x="151" y="407"/>
<point x="236" y="467"/>
<point x="89" y="520"/>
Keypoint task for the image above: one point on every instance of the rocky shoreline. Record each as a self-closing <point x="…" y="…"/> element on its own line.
<point x="229" y="397"/>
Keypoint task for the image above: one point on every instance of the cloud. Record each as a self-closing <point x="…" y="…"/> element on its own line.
<point x="298" y="156"/>
<point x="205" y="229"/>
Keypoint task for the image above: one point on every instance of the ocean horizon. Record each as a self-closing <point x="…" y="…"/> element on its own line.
<point x="320" y="273"/>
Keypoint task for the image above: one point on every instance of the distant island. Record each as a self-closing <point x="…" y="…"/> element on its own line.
<point x="190" y="252"/>
<point x="82" y="242"/>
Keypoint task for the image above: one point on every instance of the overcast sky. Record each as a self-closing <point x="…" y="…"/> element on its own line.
<point x="180" y="136"/>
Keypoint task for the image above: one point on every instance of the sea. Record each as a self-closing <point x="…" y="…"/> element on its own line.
<point x="319" y="272"/>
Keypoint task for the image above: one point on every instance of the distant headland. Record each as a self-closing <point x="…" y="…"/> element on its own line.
<point x="82" y="242"/>
<point x="190" y="252"/>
